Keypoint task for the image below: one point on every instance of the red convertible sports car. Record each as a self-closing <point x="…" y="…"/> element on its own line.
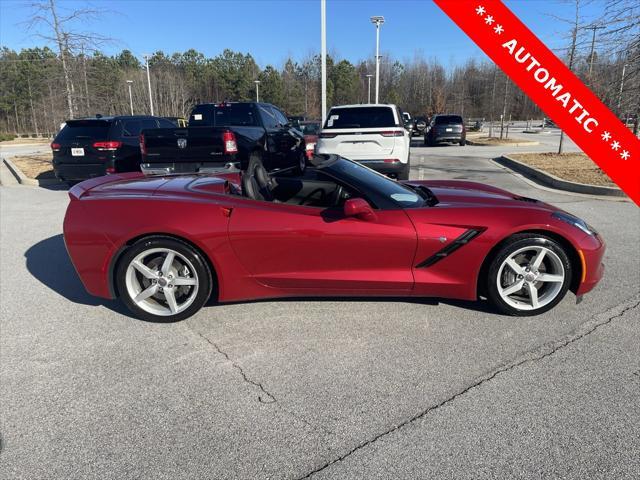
<point x="166" y="244"/>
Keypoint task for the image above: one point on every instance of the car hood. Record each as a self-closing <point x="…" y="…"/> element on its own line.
<point x="463" y="193"/>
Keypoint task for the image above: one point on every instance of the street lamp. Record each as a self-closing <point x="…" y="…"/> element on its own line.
<point x="377" y="21"/>
<point x="323" y="58"/>
<point x="146" y="59"/>
<point x="129" y="83"/>
<point x="369" y="87"/>
<point x="257" y="82"/>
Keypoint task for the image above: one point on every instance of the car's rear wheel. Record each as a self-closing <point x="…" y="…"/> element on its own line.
<point x="529" y="275"/>
<point x="162" y="279"/>
<point x="463" y="142"/>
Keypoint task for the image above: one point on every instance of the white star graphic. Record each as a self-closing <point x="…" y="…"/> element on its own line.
<point x="625" y="154"/>
<point x="489" y="20"/>
<point x="606" y="136"/>
<point x="615" y="145"/>
<point x="480" y="10"/>
<point x="498" y="29"/>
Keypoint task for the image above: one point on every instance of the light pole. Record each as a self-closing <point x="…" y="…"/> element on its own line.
<point x="323" y="56"/>
<point x="377" y="21"/>
<point x="369" y="88"/>
<point x="146" y="59"/>
<point x="257" y="82"/>
<point x="624" y="69"/>
<point x="129" y="83"/>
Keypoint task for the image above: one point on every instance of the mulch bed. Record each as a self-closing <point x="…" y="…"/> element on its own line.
<point x="574" y="167"/>
<point x="38" y="167"/>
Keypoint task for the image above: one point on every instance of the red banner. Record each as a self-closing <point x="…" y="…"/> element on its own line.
<point x="552" y="86"/>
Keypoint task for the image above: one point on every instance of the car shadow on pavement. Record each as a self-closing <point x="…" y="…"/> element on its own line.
<point x="49" y="262"/>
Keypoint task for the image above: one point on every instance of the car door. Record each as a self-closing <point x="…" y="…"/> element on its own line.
<point x="318" y="250"/>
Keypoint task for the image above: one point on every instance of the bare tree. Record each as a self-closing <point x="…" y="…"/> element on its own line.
<point x="59" y="30"/>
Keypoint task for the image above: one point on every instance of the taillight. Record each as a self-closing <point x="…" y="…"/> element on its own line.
<point x="229" y="140"/>
<point x="111" y="170"/>
<point x="328" y="135"/>
<point x="55" y="147"/>
<point x="143" y="146"/>
<point x="107" y="146"/>
<point x="393" y="133"/>
<point x="391" y="160"/>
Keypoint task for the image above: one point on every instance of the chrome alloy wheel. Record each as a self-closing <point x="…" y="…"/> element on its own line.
<point x="530" y="278"/>
<point x="161" y="281"/>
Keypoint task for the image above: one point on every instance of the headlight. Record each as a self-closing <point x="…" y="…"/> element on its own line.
<point x="575" y="221"/>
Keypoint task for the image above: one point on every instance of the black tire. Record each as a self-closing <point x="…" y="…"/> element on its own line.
<point x="463" y="142"/>
<point x="202" y="270"/>
<point x="302" y="164"/>
<point x="512" y="245"/>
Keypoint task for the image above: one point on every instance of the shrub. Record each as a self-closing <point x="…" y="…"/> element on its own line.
<point x="4" y="137"/>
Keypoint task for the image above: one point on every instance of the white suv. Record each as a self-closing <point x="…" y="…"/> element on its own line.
<point x="373" y="135"/>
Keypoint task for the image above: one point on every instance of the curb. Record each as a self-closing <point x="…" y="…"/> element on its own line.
<point x="519" y="144"/>
<point x="23" y="179"/>
<point x="552" y="181"/>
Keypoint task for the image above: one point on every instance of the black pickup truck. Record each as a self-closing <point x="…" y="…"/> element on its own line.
<point x="224" y="136"/>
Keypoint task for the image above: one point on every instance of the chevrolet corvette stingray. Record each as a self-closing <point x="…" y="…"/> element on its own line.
<point x="165" y="244"/>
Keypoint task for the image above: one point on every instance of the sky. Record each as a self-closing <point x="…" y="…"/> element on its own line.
<point x="273" y="30"/>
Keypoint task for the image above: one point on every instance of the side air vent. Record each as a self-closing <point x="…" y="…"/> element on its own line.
<point x="462" y="240"/>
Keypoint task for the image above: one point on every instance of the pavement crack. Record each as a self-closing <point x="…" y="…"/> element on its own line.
<point x="265" y="396"/>
<point x="531" y="356"/>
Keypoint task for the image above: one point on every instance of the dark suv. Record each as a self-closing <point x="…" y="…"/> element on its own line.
<point x="91" y="147"/>
<point x="445" y="128"/>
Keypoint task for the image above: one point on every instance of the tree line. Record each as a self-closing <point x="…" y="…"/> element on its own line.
<point x="42" y="87"/>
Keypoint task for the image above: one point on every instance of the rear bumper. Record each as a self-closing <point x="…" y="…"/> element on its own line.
<point x="447" y="137"/>
<point x="189" y="167"/>
<point x="78" y="172"/>
<point x="384" y="167"/>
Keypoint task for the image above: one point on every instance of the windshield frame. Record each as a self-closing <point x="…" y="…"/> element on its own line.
<point x="379" y="188"/>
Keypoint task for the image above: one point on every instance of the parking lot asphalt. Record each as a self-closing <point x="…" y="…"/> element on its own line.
<point x="326" y="388"/>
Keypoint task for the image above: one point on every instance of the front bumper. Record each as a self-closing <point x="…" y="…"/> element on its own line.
<point x="591" y="252"/>
<point x="383" y="166"/>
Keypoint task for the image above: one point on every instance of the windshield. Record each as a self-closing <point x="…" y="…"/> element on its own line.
<point x="448" y="119"/>
<point x="310" y="128"/>
<point x="361" y="117"/>
<point x="223" y="115"/>
<point x="365" y="179"/>
<point x="86" y="129"/>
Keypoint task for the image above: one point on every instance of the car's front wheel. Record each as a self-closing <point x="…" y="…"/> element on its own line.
<point x="163" y="279"/>
<point x="529" y="275"/>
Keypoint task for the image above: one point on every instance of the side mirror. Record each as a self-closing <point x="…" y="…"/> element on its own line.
<point x="359" y="208"/>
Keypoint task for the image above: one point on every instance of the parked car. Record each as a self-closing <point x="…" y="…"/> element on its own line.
<point x="91" y="147"/>
<point x="310" y="130"/>
<point x="222" y="136"/>
<point x="409" y="123"/>
<point x="373" y="135"/>
<point x="421" y="125"/>
<point x="446" y="128"/>
<point x="165" y="245"/>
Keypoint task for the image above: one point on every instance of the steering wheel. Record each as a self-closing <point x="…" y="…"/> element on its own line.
<point x="257" y="184"/>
